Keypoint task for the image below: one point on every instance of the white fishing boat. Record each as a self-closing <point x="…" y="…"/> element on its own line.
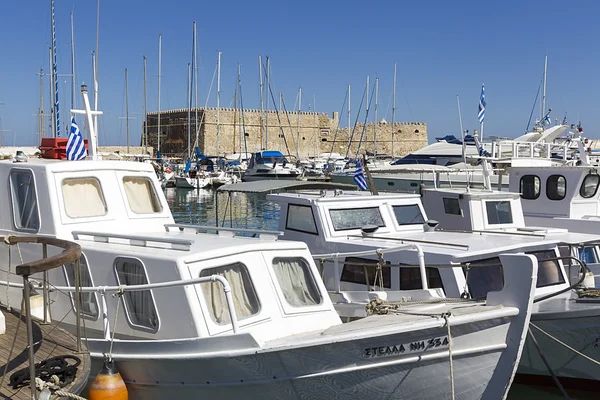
<point x="269" y="165"/>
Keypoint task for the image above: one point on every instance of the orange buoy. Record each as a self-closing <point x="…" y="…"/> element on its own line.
<point x="108" y="384"/>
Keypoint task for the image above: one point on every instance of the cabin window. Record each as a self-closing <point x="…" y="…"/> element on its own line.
<point x="141" y="195"/>
<point x="410" y="278"/>
<point x="498" y="212"/>
<point x="245" y="300"/>
<point x="451" y="206"/>
<point x="296" y="282"/>
<point x="484" y="276"/>
<point x="301" y="219"/>
<point x="556" y="187"/>
<point x="363" y="272"/>
<point x="83" y="197"/>
<point x="549" y="272"/>
<point x="529" y="187"/>
<point x="408" y="215"/>
<point x="139" y="305"/>
<point x="89" y="301"/>
<point x="355" y="218"/>
<point x="589" y="186"/>
<point x="24" y="200"/>
<point x="588" y="255"/>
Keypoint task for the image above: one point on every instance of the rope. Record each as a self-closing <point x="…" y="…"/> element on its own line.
<point x="12" y="347"/>
<point x="554" y="377"/>
<point x="447" y="319"/>
<point x="382" y="307"/>
<point x="379" y="270"/>
<point x="69" y="395"/>
<point x="8" y="307"/>
<point x="588" y="293"/>
<point x="565" y="345"/>
<point x="112" y="339"/>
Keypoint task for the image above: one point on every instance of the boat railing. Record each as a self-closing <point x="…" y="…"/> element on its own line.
<point x="517" y="149"/>
<point x="222" y="231"/>
<point x="135" y="240"/>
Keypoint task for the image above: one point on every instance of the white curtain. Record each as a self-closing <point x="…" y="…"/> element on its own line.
<point x="242" y="291"/>
<point x="83" y="197"/>
<point x="296" y="282"/>
<point x="140" y="195"/>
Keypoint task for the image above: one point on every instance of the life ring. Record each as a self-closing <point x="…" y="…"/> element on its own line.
<point x="168" y="170"/>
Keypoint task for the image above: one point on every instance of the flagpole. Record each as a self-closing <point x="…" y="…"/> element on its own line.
<point x="462" y="132"/>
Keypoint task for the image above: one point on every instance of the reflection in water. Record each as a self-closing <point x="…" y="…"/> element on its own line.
<point x="245" y="210"/>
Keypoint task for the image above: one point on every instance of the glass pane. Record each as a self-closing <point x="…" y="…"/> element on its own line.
<point x="410" y="278"/>
<point x="498" y="212"/>
<point x="245" y="301"/>
<point x="529" y="187"/>
<point x="300" y="218"/>
<point x="24" y="200"/>
<point x="355" y="218"/>
<point x="549" y="272"/>
<point x="296" y="282"/>
<point x="83" y="197"/>
<point x="141" y="195"/>
<point x="556" y="187"/>
<point x="139" y="304"/>
<point x="588" y="255"/>
<point x="589" y="187"/>
<point x="408" y="215"/>
<point x="362" y="271"/>
<point x="451" y="206"/>
<point x="89" y="303"/>
<point x="484" y="276"/>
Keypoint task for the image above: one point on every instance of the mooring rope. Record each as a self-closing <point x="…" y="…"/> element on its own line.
<point x="565" y="345"/>
<point x="447" y="319"/>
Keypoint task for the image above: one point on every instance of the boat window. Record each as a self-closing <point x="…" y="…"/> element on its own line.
<point x="498" y="212"/>
<point x="410" y="278"/>
<point x="363" y="271"/>
<point x="484" y="276"/>
<point x="529" y="187"/>
<point x="245" y="301"/>
<point x="296" y="282"/>
<point x="588" y="255"/>
<point x="24" y="200"/>
<point x="139" y="305"/>
<point x="83" y="197"/>
<point x="408" y="214"/>
<point x="589" y="186"/>
<point x="556" y="187"/>
<point x="89" y="301"/>
<point x="549" y="272"/>
<point x="141" y="195"/>
<point x="301" y="219"/>
<point x="451" y="206"/>
<point x="355" y="218"/>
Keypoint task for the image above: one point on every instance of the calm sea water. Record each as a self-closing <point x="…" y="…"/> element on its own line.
<point x="253" y="211"/>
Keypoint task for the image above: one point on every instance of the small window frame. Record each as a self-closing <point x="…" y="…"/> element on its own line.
<point x="311" y="276"/>
<point x="407" y="206"/>
<point x="450" y="209"/>
<point x="354" y="274"/>
<point x="124" y="297"/>
<point x="582" y="187"/>
<point x="498" y="202"/>
<point x="552" y="192"/>
<point x="64" y="203"/>
<point x="536" y="193"/>
<point x="154" y="196"/>
<point x="13" y="200"/>
<point x="333" y="225"/>
<point x="87" y="270"/>
<point x="314" y="222"/>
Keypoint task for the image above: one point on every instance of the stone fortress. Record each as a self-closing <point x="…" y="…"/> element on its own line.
<point x="304" y="134"/>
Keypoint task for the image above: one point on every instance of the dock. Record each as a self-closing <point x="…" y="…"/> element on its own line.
<point x="50" y="341"/>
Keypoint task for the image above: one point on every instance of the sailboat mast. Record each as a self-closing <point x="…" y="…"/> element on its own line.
<point x="73" y="94"/>
<point x="543" y="110"/>
<point x="349" y="121"/>
<point x="41" y="113"/>
<point x="262" y="107"/>
<point x="96" y="68"/>
<point x="51" y="105"/>
<point x="394" y="109"/>
<point x="267" y="72"/>
<point x="315" y="124"/>
<point x="159" y="71"/>
<point x="218" y="100"/>
<point x="195" y="79"/>
<point x="55" y="75"/>
<point x="375" y="117"/>
<point x="145" y="112"/>
<point x="189" y="118"/>
<point x="127" y="108"/>
<point x="298" y="131"/>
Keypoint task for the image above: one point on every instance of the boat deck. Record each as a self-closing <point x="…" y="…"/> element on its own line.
<point x="49" y="341"/>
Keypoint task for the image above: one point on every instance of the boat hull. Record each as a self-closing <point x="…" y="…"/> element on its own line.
<point x="262" y="177"/>
<point x="191" y="183"/>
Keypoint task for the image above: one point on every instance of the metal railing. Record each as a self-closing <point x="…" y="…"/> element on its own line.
<point x="135" y="240"/>
<point x="230" y="231"/>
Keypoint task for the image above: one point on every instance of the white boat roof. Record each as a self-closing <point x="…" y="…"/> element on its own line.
<point x="273" y="185"/>
<point x="52" y="165"/>
<point x="330" y="197"/>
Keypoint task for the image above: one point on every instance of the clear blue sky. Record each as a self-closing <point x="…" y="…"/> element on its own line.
<point x="443" y="49"/>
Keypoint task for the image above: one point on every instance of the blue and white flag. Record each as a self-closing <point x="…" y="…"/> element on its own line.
<point x="547" y="120"/>
<point x="481" y="114"/>
<point x="359" y="176"/>
<point x="75" y="145"/>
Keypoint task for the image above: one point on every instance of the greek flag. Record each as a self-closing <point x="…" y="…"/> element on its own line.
<point x="75" y="144"/>
<point x="359" y="176"/>
<point x="481" y="114"/>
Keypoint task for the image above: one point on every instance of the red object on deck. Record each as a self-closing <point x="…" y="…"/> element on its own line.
<point x="56" y="148"/>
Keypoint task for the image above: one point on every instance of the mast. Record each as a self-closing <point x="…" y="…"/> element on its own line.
<point x="315" y="124"/>
<point x="95" y="118"/>
<point x="51" y="99"/>
<point x="189" y="119"/>
<point x="159" y="70"/>
<point x="56" y="125"/>
<point x="543" y="110"/>
<point x="235" y="111"/>
<point x="394" y="108"/>
<point x="375" y="117"/>
<point x="195" y="79"/>
<point x="127" y="108"/>
<point x="218" y="100"/>
<point x="366" y="112"/>
<point x="41" y="113"/>
<point x="240" y="100"/>
<point x="145" y="112"/>
<point x="349" y="122"/>
<point x="262" y="107"/>
<point x="298" y="131"/>
<point x="462" y="132"/>
<point x="267" y="72"/>
<point x="96" y="69"/>
<point x="73" y="94"/>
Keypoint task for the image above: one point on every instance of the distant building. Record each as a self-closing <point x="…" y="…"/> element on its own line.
<point x="304" y="134"/>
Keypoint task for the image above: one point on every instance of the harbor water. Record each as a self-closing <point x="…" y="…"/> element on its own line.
<point x="253" y="211"/>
